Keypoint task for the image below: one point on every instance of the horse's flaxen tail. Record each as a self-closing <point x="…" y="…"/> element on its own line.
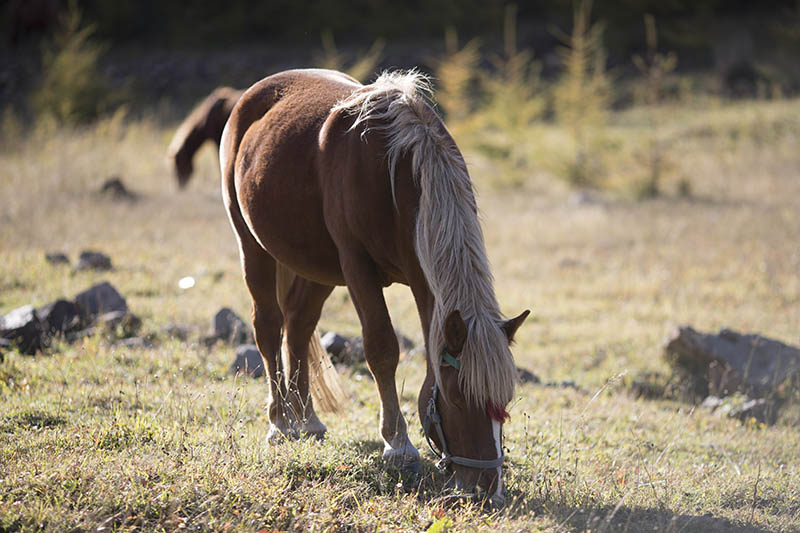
<point x="326" y="388"/>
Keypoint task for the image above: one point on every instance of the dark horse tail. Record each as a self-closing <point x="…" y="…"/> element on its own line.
<point x="326" y="388"/>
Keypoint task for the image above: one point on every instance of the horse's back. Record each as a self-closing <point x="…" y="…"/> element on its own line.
<point x="274" y="137"/>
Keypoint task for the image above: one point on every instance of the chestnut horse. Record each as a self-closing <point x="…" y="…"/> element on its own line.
<point x="329" y="182"/>
<point x="204" y="123"/>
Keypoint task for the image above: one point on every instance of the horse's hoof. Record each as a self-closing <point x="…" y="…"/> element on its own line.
<point x="318" y="436"/>
<point x="413" y="468"/>
<point x="411" y="475"/>
<point x="276" y="435"/>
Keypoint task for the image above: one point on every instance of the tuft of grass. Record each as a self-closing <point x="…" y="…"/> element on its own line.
<point x="164" y="438"/>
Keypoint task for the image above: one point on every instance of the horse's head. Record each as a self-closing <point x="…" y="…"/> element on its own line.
<point x="468" y="437"/>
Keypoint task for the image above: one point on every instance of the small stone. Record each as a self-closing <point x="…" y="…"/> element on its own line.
<point x="526" y="376"/>
<point x="90" y="260"/>
<point x="229" y="327"/>
<point x="248" y="360"/>
<point x="5" y="345"/>
<point x="60" y="316"/>
<point x="334" y="343"/>
<point x="23" y="328"/>
<point x="56" y="258"/>
<point x="176" y="331"/>
<point x="711" y="402"/>
<point x="99" y="299"/>
<point x="114" y="189"/>
<point x="133" y="342"/>
<point x="123" y="323"/>
<point x="584" y="197"/>
<point x="569" y="262"/>
<point x="406" y="344"/>
<point x="758" y="408"/>
<point x="352" y="354"/>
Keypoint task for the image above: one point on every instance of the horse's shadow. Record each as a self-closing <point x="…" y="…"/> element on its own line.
<point x="430" y="487"/>
<point x="426" y="482"/>
<point x="623" y="518"/>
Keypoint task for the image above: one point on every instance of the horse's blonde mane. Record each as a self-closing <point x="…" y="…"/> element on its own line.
<point x="449" y="241"/>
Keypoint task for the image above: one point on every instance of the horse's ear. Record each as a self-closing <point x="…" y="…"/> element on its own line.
<point x="511" y="325"/>
<point x="455" y="333"/>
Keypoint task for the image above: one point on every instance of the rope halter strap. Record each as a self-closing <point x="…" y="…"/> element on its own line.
<point x="433" y="418"/>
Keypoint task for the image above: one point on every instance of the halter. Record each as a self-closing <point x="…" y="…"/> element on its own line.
<point x="432" y="416"/>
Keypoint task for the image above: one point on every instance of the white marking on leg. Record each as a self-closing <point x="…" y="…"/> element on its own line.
<point x="314" y="425"/>
<point x="400" y="449"/>
<point x="497" y="429"/>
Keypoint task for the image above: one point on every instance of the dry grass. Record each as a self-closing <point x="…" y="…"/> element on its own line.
<point x="97" y="437"/>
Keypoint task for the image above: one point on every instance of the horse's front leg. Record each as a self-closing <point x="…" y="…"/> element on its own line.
<point x="382" y="354"/>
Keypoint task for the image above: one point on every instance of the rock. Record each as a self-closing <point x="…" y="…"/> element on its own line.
<point x="569" y="262"/>
<point x="732" y="361"/>
<point x="406" y="344"/>
<point x="176" y="331"/>
<point x="229" y="327"/>
<point x="526" y="376"/>
<point x="60" y="316"/>
<point x="90" y="260"/>
<point x="334" y="343"/>
<point x="56" y="258"/>
<point x="758" y="408"/>
<point x="352" y="354"/>
<point x="350" y="351"/>
<point x="121" y="323"/>
<point x="134" y="342"/>
<point x="741" y="407"/>
<point x="209" y="340"/>
<point x="711" y="402"/>
<point x="81" y="334"/>
<point x="584" y="197"/>
<point x="5" y="345"/>
<point x="99" y="299"/>
<point x="23" y="328"/>
<point x="115" y="190"/>
<point x="248" y="360"/>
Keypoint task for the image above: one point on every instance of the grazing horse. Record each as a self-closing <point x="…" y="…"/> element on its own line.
<point x="329" y="182"/>
<point x="204" y="123"/>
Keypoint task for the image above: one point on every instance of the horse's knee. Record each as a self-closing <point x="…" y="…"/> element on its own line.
<point x="380" y="346"/>
<point x="299" y="327"/>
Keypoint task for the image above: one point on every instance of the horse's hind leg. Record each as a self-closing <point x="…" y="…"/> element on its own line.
<point x="258" y="269"/>
<point x="302" y="308"/>
<point x="382" y="354"/>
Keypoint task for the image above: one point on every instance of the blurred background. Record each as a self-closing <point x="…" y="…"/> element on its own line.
<point x="154" y="50"/>
<point x="498" y="67"/>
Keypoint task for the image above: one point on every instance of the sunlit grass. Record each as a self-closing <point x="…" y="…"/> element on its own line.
<point x="97" y="436"/>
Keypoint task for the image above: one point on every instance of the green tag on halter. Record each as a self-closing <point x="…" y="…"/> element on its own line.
<point x="452" y="361"/>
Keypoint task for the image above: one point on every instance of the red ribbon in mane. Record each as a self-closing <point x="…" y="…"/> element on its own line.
<point x="498" y="412"/>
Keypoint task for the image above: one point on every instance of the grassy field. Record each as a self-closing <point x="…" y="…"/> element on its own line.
<point x="107" y="438"/>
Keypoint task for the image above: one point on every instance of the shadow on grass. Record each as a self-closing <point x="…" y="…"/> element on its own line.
<point x="624" y="518"/>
